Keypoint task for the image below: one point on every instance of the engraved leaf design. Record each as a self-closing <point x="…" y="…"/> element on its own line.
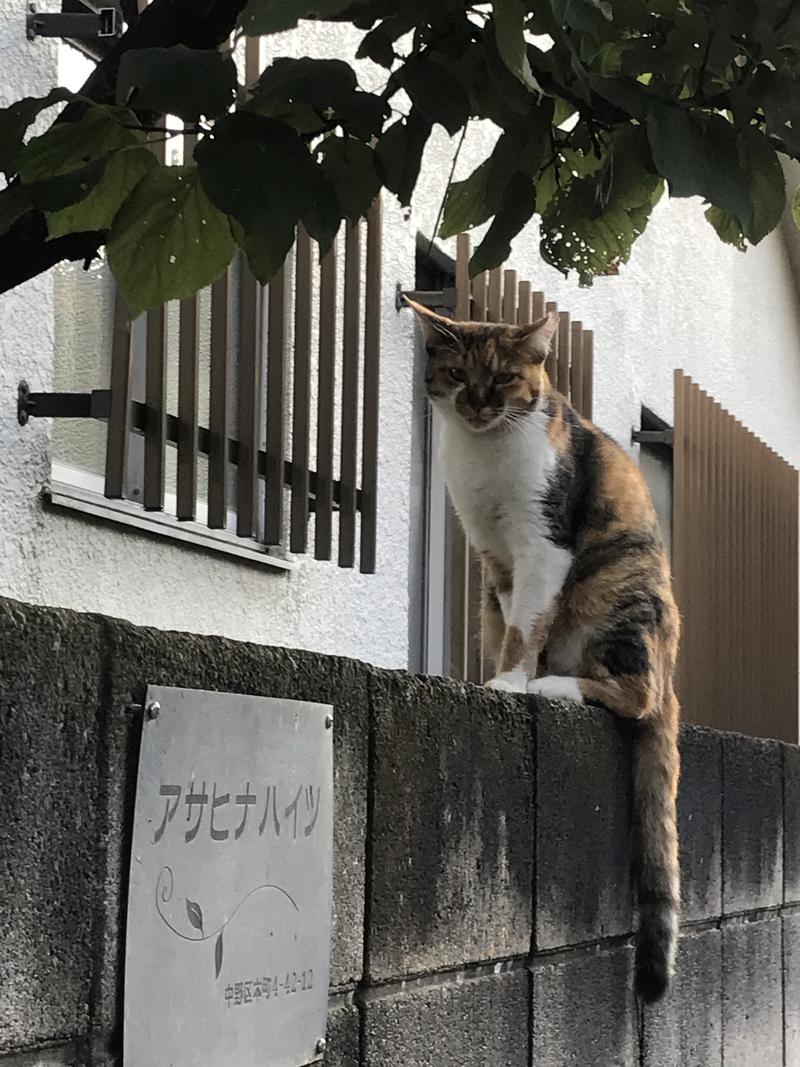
<point x="195" y="914"/>
<point x="218" y="956"/>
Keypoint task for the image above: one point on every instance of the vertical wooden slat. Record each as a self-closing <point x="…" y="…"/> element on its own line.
<point x="218" y="422"/>
<point x="749" y="581"/>
<point x="716" y="513"/>
<point x="564" y="338"/>
<point x="276" y="385"/>
<point x="462" y="277"/>
<point x="738" y="638"/>
<point x="372" y="343"/>
<point x="155" y="391"/>
<point x="537" y="306"/>
<point x="187" y="409"/>
<point x="252" y="61"/>
<point x="576" y="368"/>
<point x="249" y="366"/>
<point x="249" y="413"/>
<point x="119" y="419"/>
<point x="524" y="304"/>
<point x="186" y="495"/>
<point x="156" y="410"/>
<point x="588" y="373"/>
<point x="349" y="429"/>
<point x="551" y="363"/>
<point x="301" y="394"/>
<point x="773" y="593"/>
<point x="725" y="577"/>
<point x="326" y="384"/>
<point x="509" y="296"/>
<point x="495" y="299"/>
<point x="480" y="296"/>
<point x="457" y="597"/>
<point x="792" y="606"/>
<point x="678" y="519"/>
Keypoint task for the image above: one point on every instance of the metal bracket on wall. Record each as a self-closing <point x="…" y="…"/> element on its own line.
<point x="432" y="298"/>
<point x="653" y="437"/>
<point x="87" y="23"/>
<point x="97" y="405"/>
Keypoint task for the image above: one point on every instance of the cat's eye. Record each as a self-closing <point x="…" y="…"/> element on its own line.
<point x="504" y="379"/>
<point x="457" y="374"/>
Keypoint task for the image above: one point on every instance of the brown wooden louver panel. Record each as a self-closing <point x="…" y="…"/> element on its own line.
<point x="372" y="345"/>
<point x="218" y="419"/>
<point x="119" y="423"/>
<point x="280" y="491"/>
<point x="498" y="296"/>
<point x="735" y="568"/>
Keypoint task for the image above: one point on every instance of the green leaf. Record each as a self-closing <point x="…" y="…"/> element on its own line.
<point x="399" y="154"/>
<point x="727" y="227"/>
<point x="64" y="190"/>
<point x="69" y="146"/>
<point x="168" y="240"/>
<point x="697" y="154"/>
<point x="266" y="252"/>
<point x="435" y="92"/>
<point x="97" y="211"/>
<point x="15" y="120"/>
<point x="509" y="20"/>
<point x="767" y="190"/>
<point x="513" y="99"/>
<point x="14" y="203"/>
<point x="796" y="208"/>
<point x="322" y="213"/>
<point x="594" y="222"/>
<point x="187" y="82"/>
<point x="272" y="16"/>
<point x="363" y="115"/>
<point x="478" y="197"/>
<point x="378" y="46"/>
<point x="256" y="170"/>
<point x="350" y="165"/>
<point x="320" y="83"/>
<point x="517" y="208"/>
<point x="767" y="184"/>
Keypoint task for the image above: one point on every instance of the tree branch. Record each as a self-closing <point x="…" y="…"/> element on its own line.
<point x="25" y="250"/>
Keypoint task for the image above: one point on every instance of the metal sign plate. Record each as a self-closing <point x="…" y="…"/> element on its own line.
<point x="229" y="910"/>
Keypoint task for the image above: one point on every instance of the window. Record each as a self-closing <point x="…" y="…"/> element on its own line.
<point x="245" y="418"/>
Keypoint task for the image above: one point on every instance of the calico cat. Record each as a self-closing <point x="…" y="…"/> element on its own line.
<point x="578" y="600"/>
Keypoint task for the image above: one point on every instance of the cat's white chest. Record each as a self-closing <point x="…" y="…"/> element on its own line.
<point x="497" y="482"/>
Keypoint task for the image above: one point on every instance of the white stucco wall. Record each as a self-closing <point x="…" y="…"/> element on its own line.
<point x="684" y="300"/>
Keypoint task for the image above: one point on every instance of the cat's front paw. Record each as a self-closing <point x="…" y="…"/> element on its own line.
<point x="509" y="682"/>
<point x="556" y="688"/>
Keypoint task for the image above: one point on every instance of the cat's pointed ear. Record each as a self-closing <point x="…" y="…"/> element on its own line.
<point x="533" y="341"/>
<point x="435" y="328"/>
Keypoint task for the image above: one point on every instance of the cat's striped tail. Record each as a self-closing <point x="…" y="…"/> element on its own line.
<point x="656" y="768"/>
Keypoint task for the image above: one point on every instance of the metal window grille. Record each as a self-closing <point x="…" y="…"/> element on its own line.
<point x="251" y="361"/>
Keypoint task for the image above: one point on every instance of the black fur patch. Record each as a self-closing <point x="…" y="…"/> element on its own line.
<point x="570" y="501"/>
<point x="622" y="649"/>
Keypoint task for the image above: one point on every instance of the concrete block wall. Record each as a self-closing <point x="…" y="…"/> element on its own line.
<point x="482" y="896"/>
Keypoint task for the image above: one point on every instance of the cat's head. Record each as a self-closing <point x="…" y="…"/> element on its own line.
<point x="486" y="374"/>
